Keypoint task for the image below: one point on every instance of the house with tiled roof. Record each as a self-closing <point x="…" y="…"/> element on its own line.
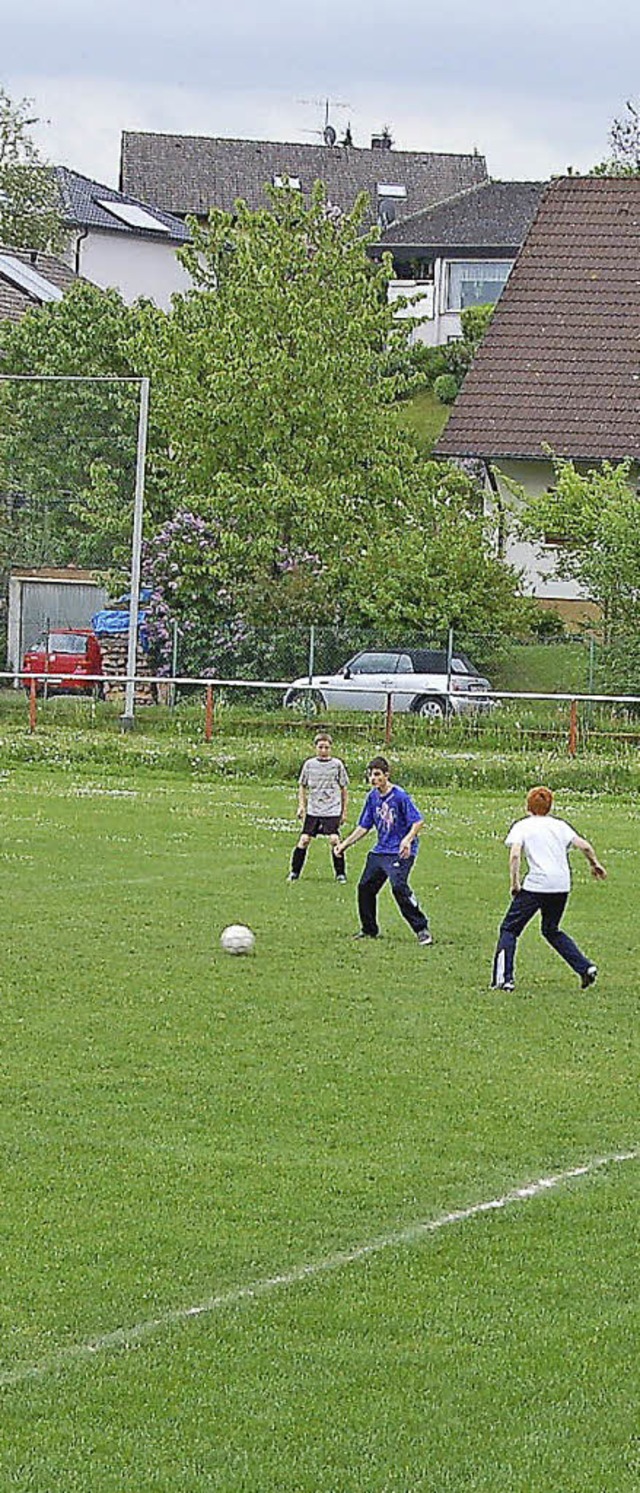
<point x="190" y="174"/>
<point x="118" y="239"/>
<point x="559" y="368"/>
<point x="28" y="278"/>
<point x="459" y="253"/>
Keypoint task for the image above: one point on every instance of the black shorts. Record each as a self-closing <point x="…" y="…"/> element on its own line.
<point x="321" y="824"/>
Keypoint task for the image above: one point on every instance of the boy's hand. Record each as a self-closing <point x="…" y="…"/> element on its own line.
<point x="300" y="811"/>
<point x="405" y="848"/>
<point x="598" y="871"/>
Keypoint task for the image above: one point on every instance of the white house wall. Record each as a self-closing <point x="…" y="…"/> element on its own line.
<point x="439" y="324"/>
<point x="536" y="561"/>
<point x="134" y="266"/>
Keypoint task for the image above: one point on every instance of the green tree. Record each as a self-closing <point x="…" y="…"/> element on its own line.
<point x="597" y="516"/>
<point x="624" y="142"/>
<point x="272" y="446"/>
<point x="29" y="204"/>
<point x="67" y="450"/>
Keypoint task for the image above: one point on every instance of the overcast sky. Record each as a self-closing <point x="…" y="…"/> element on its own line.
<point x="533" y="86"/>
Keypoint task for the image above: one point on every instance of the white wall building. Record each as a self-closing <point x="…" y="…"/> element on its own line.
<point x="117" y="242"/>
<point x="458" y="253"/>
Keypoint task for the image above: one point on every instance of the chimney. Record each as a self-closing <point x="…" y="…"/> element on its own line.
<point x="383" y="141"/>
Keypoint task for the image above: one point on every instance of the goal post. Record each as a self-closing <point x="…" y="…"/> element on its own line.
<point x="128" y="716"/>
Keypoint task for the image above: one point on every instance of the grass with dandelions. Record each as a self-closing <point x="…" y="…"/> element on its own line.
<point x="177" y="1124"/>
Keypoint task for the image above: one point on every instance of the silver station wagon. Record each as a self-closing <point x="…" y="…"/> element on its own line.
<point x="416" y="678"/>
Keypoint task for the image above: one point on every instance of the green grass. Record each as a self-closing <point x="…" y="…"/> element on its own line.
<point x="177" y="1124"/>
<point x="424" y="416"/>
<point x="545" y="668"/>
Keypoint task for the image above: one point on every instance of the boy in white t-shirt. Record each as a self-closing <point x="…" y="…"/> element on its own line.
<point x="546" y="842"/>
<point x="322" y="805"/>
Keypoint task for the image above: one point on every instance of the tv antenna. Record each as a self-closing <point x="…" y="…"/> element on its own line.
<point x="328" y="133"/>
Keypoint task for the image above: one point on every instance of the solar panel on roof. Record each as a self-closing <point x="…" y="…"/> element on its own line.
<point x="132" y="215"/>
<point x="28" y="279"/>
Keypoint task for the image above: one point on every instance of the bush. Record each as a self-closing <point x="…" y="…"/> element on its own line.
<point x="446" y="388"/>
<point x="548" y="625"/>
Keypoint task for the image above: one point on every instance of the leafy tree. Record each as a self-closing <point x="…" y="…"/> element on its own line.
<point x="597" y="516"/>
<point x="67" y="450"/>
<point x="624" y="141"/>
<point x="29" y="206"/>
<point x="433" y="567"/>
<point x="280" y="488"/>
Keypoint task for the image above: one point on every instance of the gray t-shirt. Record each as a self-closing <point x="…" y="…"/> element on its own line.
<point x="324" y="781"/>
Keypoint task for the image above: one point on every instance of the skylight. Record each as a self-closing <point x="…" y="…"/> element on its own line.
<point x="28" y="279"/>
<point x="287" y="181"/>
<point x="132" y="215"/>
<point x="385" y="190"/>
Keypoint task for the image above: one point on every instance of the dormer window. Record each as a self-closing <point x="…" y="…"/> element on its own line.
<point x="390" y="198"/>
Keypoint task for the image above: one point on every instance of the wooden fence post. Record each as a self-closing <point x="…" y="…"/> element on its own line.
<point x="388" y="722"/>
<point x="33" y="707"/>
<point x="208" y="714"/>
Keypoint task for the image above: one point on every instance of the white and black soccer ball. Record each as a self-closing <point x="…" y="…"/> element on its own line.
<point x="237" y="939"/>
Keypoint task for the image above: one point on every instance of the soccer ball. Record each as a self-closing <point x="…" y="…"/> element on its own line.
<point x="236" y="939"/>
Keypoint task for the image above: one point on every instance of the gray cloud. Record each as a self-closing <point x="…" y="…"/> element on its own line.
<point x="541" y="82"/>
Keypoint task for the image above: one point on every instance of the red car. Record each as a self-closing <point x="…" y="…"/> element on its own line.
<point x="65" y="656"/>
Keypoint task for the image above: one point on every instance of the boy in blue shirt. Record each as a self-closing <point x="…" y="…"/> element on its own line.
<point x="398" y="822"/>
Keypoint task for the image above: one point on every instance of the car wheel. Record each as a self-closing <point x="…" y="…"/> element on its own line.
<point x="429" y="707"/>
<point x="306" y="702"/>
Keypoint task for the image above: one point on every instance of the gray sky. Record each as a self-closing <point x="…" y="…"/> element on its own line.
<point x="533" y="86"/>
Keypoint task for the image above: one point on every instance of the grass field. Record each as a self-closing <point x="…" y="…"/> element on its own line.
<point x="182" y="1129"/>
<point x="424" y="416"/>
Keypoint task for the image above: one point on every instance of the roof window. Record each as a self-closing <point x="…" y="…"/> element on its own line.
<point x="132" y="215"/>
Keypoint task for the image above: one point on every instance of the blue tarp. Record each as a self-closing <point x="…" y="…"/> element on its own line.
<point x="111" y="621"/>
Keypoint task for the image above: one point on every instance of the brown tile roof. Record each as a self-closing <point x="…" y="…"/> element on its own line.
<point x="192" y="173"/>
<point x="560" y="365"/>
<point x="14" y="300"/>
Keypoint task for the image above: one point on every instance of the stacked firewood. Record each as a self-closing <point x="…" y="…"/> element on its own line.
<point x="115" y="647"/>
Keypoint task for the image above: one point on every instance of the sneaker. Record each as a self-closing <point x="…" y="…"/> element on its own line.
<point x="589" y="977"/>
<point x="293" y="876"/>
<point x="505" y="985"/>
<point x="361" y="934"/>
<point x="342" y="880"/>
<point x="425" y="937"/>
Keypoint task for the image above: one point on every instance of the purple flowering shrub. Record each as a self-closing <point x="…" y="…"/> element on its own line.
<point x="230" y="601"/>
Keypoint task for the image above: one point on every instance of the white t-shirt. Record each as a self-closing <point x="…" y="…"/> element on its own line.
<point x="545" y="842"/>
<point x="324" y="780"/>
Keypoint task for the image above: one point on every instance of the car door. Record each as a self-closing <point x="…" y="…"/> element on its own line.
<point x="405" y="684"/>
<point x="371" y="679"/>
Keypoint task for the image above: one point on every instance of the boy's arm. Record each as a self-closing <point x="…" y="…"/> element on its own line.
<point x="411" y="835"/>
<point x="596" y="869"/>
<point x="356" y="834"/>
<point x="344" y="795"/>
<point x="515" y="853"/>
<point x="302" y="796"/>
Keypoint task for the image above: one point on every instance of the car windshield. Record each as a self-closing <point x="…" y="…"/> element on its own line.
<point x="68" y="642"/>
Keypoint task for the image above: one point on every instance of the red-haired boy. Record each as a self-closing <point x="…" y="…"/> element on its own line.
<point x="546" y="842"/>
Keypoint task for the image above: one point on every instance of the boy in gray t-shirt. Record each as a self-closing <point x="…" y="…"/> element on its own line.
<point x="322" y="804"/>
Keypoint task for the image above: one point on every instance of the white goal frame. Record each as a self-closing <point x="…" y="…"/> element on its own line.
<point x="144" y="384"/>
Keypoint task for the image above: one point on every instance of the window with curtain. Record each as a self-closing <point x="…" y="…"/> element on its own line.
<point x="475" y="282"/>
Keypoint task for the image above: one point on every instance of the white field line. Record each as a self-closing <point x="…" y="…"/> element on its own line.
<point x="129" y="1337"/>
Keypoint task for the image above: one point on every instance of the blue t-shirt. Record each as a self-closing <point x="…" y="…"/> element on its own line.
<point x="391" y="814"/>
